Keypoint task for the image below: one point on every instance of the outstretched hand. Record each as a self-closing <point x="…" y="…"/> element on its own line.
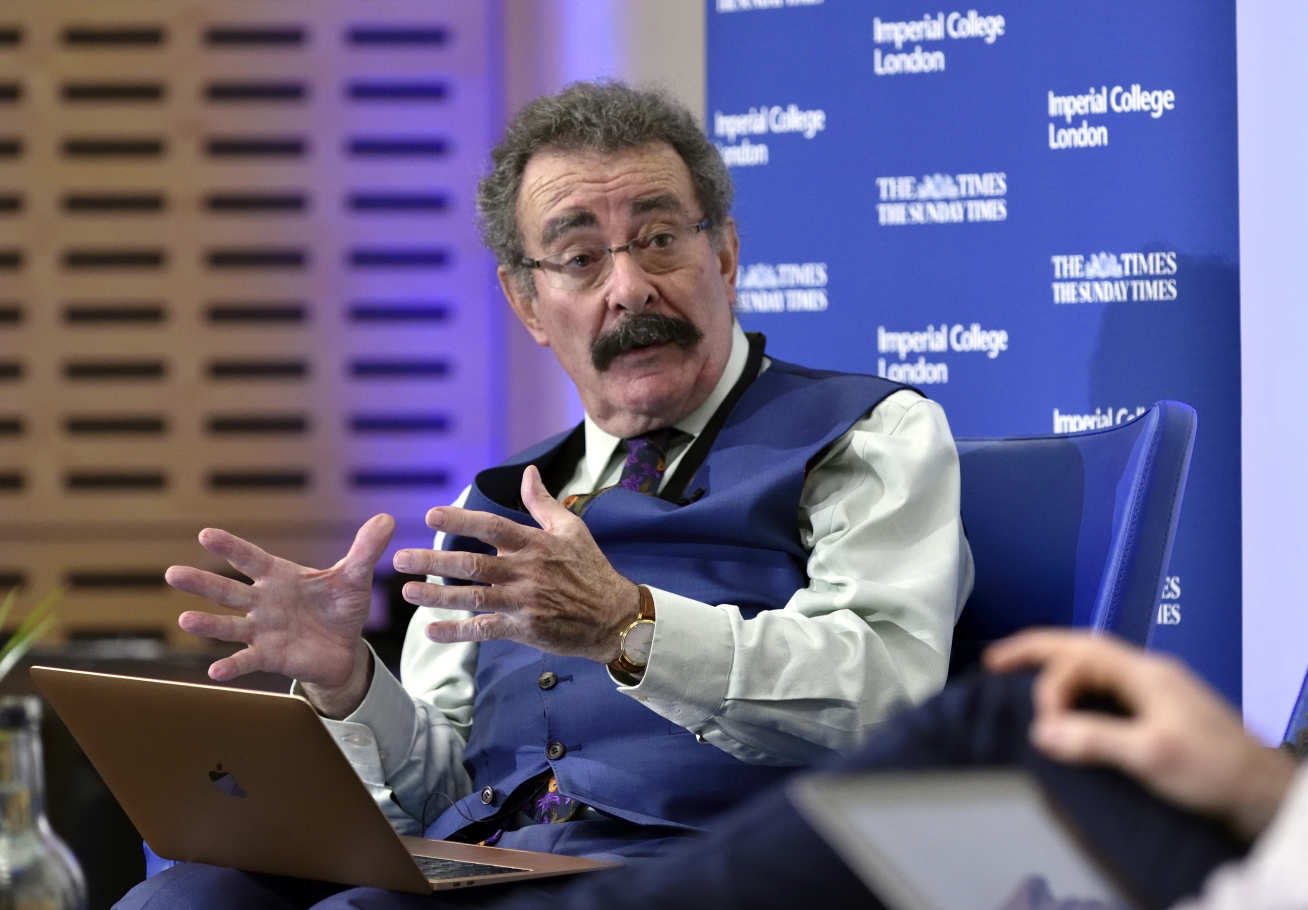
<point x="293" y="620"/>
<point x="548" y="587"/>
<point x="1178" y="738"/>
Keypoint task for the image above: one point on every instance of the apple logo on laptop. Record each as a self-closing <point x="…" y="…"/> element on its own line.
<point x="225" y="781"/>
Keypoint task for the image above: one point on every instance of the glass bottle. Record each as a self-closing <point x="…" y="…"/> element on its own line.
<point x="37" y="870"/>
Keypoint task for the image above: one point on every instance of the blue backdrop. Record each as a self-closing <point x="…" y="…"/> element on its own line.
<point x="1028" y="210"/>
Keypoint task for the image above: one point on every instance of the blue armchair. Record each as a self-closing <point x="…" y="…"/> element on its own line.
<point x="1296" y="731"/>
<point x="1072" y="530"/>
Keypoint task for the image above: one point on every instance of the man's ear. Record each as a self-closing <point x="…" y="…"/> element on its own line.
<point x="729" y="254"/>
<point x="524" y="306"/>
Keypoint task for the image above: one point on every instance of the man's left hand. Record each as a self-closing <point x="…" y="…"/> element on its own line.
<point x="548" y="587"/>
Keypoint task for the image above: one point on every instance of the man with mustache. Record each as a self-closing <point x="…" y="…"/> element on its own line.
<point x="732" y="567"/>
<point x="644" y="330"/>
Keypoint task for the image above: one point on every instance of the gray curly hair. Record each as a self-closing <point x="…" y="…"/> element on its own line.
<point x="593" y="116"/>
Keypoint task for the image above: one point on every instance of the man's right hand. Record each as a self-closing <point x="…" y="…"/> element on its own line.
<point x="295" y="621"/>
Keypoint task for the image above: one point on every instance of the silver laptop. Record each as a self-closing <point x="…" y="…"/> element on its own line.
<point x="253" y="780"/>
<point x="957" y="840"/>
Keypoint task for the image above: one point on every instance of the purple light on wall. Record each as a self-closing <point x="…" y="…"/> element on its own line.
<point x="409" y="397"/>
<point x="589" y="39"/>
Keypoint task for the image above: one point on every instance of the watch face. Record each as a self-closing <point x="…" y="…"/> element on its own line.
<point x="638" y="642"/>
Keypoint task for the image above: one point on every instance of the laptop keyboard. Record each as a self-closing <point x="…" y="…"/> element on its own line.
<point x="438" y="869"/>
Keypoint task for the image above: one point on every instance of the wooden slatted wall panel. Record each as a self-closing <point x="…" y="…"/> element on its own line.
<point x="240" y="284"/>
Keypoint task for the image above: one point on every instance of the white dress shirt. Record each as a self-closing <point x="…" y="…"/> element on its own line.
<point x="889" y="570"/>
<point x="1272" y="876"/>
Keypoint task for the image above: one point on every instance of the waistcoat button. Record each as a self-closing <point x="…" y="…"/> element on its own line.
<point x="555" y="751"/>
<point x="487" y="795"/>
<point x="547" y="680"/>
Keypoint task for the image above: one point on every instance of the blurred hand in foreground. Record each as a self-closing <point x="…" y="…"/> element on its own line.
<point x="1175" y="734"/>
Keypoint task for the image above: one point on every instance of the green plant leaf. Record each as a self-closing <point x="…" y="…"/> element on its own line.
<point x="34" y="625"/>
<point x="7" y="605"/>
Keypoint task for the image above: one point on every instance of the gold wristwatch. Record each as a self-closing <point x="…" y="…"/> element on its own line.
<point x="636" y="640"/>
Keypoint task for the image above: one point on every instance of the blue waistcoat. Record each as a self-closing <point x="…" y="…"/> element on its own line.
<point x="732" y="539"/>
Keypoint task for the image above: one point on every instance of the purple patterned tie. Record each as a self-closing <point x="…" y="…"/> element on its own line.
<point x="647" y="460"/>
<point x="643" y="469"/>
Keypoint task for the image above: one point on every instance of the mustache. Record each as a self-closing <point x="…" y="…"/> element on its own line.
<point x="642" y="331"/>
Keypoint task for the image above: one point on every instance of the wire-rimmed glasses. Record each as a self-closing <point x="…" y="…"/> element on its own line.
<point x="657" y="250"/>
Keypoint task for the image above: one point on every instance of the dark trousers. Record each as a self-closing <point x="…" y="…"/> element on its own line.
<point x="764" y="855"/>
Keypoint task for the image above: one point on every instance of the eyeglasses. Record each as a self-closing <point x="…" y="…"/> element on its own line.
<point x="659" y="250"/>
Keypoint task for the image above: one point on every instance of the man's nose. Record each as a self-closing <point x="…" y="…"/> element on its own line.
<point x="628" y="286"/>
